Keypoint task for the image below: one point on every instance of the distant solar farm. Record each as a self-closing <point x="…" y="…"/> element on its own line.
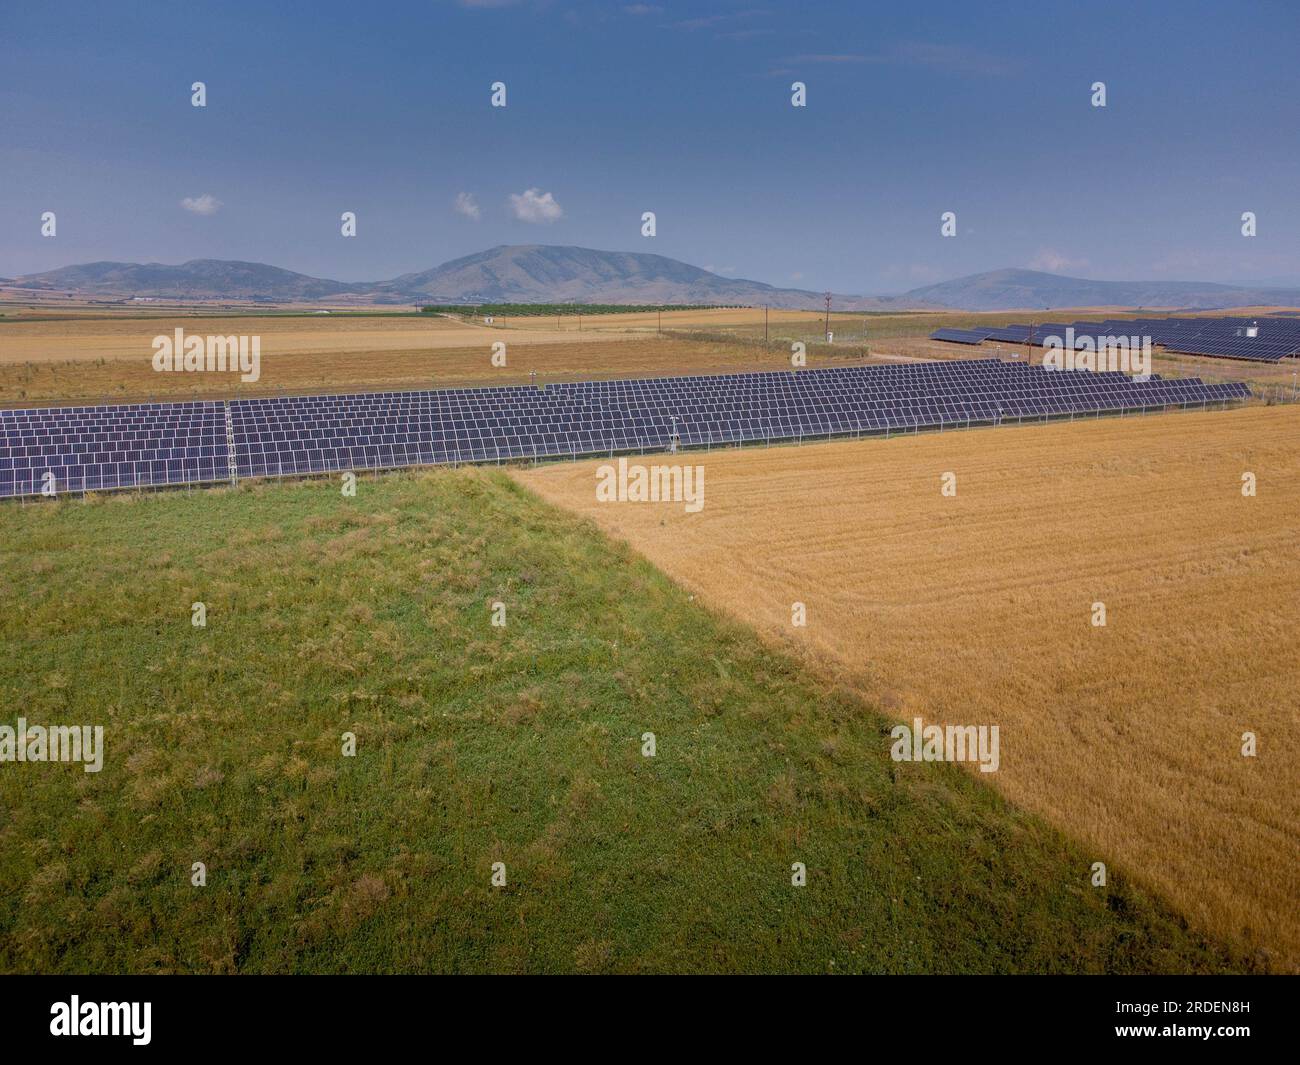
<point x="79" y="449"/>
<point x="1266" y="339"/>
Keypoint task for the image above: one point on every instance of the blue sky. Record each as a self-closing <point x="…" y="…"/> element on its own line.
<point x="678" y="108"/>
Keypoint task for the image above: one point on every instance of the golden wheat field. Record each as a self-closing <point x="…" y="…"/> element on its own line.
<point x="119" y="335"/>
<point x="130" y="337"/>
<point x="57" y="361"/>
<point x="95" y="355"/>
<point x="649" y="321"/>
<point x="978" y="608"/>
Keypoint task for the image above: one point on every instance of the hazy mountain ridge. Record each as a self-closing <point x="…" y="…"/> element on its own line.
<point x="1008" y="289"/>
<point x="527" y="273"/>
<point x="196" y="279"/>
<point x="541" y="273"/>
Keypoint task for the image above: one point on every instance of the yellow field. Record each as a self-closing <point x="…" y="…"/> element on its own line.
<point x="93" y="359"/>
<point x="135" y="379"/>
<point x="122" y="335"/>
<point x="131" y="338"/>
<point x="648" y="321"/>
<point x="977" y="609"/>
<point x="94" y="354"/>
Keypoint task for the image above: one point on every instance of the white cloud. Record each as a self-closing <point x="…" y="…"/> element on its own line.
<point x="839" y="58"/>
<point x="707" y="21"/>
<point x="1055" y="263"/>
<point x="956" y="59"/>
<point x="534" y="205"/>
<point x="468" y="206"/>
<point x="205" y="204"/>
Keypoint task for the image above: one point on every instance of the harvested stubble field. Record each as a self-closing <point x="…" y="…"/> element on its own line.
<point x="743" y="319"/>
<point x="44" y="363"/>
<point x="101" y="355"/>
<point x="977" y="609"/>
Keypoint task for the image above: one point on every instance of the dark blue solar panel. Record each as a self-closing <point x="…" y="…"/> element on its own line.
<point x="960" y="336"/>
<point x="75" y="449"/>
<point x="1275" y="337"/>
<point x="90" y="448"/>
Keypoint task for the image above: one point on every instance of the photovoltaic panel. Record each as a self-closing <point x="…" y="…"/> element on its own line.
<point x="1276" y="336"/>
<point x="77" y="449"/>
<point x="89" y="448"/>
<point x="960" y="336"/>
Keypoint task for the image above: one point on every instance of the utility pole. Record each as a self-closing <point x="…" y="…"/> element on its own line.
<point x="826" y="331"/>
<point x="765" y="325"/>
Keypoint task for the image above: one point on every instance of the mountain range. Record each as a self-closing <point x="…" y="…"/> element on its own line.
<point x="1034" y="289"/>
<point x="527" y="273"/>
<point x="540" y="273"/>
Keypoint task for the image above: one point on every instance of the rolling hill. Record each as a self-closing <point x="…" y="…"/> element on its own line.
<point x="528" y="273"/>
<point x="1010" y="289"/>
<point x="554" y="274"/>
<point x="198" y="279"/>
<point x="508" y="273"/>
<point x="543" y="273"/>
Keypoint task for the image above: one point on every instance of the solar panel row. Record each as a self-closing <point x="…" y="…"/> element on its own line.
<point x="88" y="448"/>
<point x="961" y="336"/>
<point x="1228" y="337"/>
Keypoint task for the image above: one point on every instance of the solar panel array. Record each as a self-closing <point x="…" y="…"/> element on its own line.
<point x="1276" y="337"/>
<point x="961" y="336"/>
<point x="88" y="448"/>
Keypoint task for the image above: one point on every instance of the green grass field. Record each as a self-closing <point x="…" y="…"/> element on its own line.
<point x="476" y="744"/>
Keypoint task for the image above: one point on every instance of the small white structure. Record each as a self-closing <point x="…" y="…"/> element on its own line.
<point x="830" y="337"/>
